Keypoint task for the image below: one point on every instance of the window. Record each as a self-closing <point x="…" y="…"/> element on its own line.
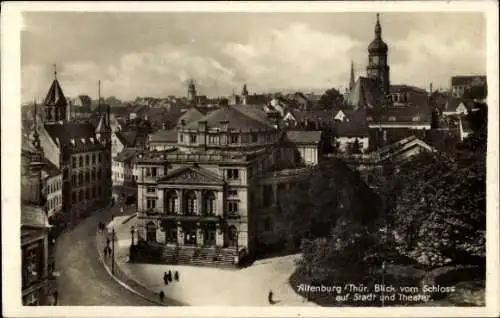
<point x="232" y="193"/>
<point x="209" y="203"/>
<point x="99" y="190"/>
<point x="151" y="203"/>
<point x="234" y="139"/>
<point x="191" y="203"/>
<point x="193" y="139"/>
<point x="73" y="162"/>
<point x="100" y="158"/>
<point x="73" y="197"/>
<point x="99" y="173"/>
<point x="93" y="174"/>
<point x="87" y="194"/>
<point x="181" y="137"/>
<point x="212" y="139"/>
<point x="80" y="178"/>
<point x="232" y="206"/>
<point x="172" y="202"/>
<point x="80" y="196"/>
<point x="392" y="118"/>
<point x="93" y="159"/>
<point x="87" y="160"/>
<point x="255" y="137"/>
<point x="233" y="174"/>
<point x="151" y="190"/>
<point x="151" y="172"/>
<point x="80" y="162"/>
<point x="268" y="138"/>
<point x="87" y="176"/>
<point x="93" y="192"/>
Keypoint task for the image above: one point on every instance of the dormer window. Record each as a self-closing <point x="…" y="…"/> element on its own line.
<point x="82" y="140"/>
<point x="193" y="139"/>
<point x="72" y="141"/>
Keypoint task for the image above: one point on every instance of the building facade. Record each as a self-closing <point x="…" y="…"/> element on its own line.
<point x="201" y="200"/>
<point x="81" y="151"/>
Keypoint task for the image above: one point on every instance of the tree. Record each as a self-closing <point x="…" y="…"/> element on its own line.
<point x="330" y="99"/>
<point x="479" y="92"/>
<point x="439" y="217"/>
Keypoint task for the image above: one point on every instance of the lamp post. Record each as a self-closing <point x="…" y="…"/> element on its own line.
<point x="132" y="231"/>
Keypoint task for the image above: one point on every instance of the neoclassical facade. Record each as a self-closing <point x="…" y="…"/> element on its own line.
<point x="200" y="201"/>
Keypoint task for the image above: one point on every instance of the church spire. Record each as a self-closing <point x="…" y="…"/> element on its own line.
<point x="55" y="71"/>
<point x="351" y="80"/>
<point x="378" y="28"/>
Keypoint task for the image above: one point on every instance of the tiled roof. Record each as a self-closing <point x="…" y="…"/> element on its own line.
<point x="236" y="118"/>
<point x="316" y="114"/>
<point x="131" y="138"/>
<point x="365" y="94"/>
<point x="254" y="111"/>
<point x="49" y="169"/>
<point x="164" y="136"/>
<point x="304" y="136"/>
<point x="71" y="134"/>
<point x="33" y="216"/>
<point x="399" y="114"/>
<point x="127" y="154"/>
<point x="354" y="125"/>
<point x="193" y="114"/>
<point x="466" y="80"/>
<point x="55" y="96"/>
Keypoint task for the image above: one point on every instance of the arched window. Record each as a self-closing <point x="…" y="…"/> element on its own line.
<point x="191" y="203"/>
<point x="209" y="203"/>
<point x="172" y="202"/>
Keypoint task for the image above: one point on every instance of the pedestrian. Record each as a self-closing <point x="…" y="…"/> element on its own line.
<point x="162" y="296"/>
<point x="56" y="297"/>
<point x="270" y="297"/>
<point x="165" y="278"/>
<point x="176" y="276"/>
<point x="169" y="275"/>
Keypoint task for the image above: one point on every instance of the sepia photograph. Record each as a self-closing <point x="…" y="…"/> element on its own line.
<point x="236" y="158"/>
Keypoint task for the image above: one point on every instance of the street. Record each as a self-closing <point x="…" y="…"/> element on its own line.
<point x="83" y="281"/>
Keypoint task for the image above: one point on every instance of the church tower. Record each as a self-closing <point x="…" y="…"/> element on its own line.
<point x="377" y="68"/>
<point x="35" y="166"/>
<point x="244" y="94"/>
<point x="55" y="104"/>
<point x="103" y="130"/>
<point x="191" y="93"/>
<point x="351" y="79"/>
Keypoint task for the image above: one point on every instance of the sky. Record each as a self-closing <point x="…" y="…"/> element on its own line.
<point x="154" y="54"/>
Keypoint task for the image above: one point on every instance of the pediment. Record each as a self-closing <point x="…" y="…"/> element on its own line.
<point x="191" y="175"/>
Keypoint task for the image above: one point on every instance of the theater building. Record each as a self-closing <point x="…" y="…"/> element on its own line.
<point x="200" y="202"/>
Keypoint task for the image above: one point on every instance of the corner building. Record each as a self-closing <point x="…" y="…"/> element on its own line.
<point x="81" y="151"/>
<point x="209" y="200"/>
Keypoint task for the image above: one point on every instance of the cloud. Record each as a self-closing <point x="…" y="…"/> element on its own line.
<point x="435" y="58"/>
<point x="295" y="56"/>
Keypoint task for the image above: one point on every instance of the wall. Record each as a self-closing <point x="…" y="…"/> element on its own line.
<point x="54" y="195"/>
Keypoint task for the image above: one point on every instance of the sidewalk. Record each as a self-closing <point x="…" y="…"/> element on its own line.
<point x="120" y="277"/>
<point x="206" y="286"/>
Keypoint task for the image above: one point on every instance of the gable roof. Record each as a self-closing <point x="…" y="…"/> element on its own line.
<point x="128" y="154"/>
<point x="127" y="138"/>
<point x="63" y="134"/>
<point x="304" y="136"/>
<point x="191" y="175"/>
<point x="365" y="94"/>
<point x="55" y="95"/>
